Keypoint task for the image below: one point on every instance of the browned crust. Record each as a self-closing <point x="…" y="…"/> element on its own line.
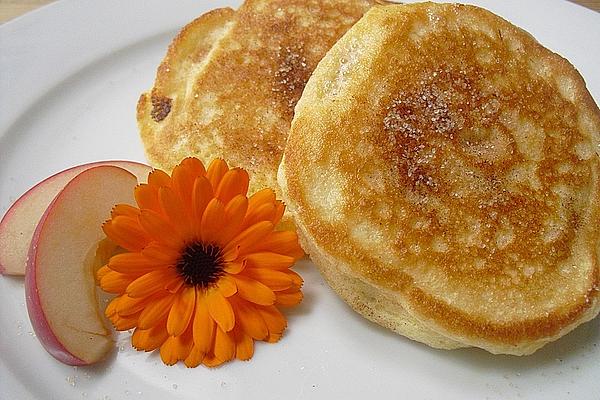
<point x="377" y="303"/>
<point x="516" y="333"/>
<point x="188" y="48"/>
<point x="373" y="303"/>
<point x="239" y="106"/>
<point x="451" y="321"/>
<point x="190" y="43"/>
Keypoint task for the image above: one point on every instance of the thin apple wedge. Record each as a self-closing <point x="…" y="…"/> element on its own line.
<point x="19" y="222"/>
<point x="59" y="282"/>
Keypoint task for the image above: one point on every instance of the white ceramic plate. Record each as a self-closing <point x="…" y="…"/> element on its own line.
<point x="70" y="76"/>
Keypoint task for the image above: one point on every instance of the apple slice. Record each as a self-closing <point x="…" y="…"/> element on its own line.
<point x="60" y="287"/>
<point x="19" y="222"/>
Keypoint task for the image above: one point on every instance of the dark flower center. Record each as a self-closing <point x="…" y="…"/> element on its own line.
<point x="200" y="264"/>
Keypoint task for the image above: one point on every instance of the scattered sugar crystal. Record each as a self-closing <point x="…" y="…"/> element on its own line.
<point x="71" y="380"/>
<point x="292" y="74"/>
<point x="528" y="271"/>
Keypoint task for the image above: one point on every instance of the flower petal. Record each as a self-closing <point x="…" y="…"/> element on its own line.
<point x="129" y="227"/>
<point x="215" y="172"/>
<point x="202" y="194"/>
<point x="269" y="260"/>
<point x="123" y="323"/>
<point x="155" y="311"/>
<point x="102" y="271"/>
<point x="297" y="280"/>
<point x="273" y="337"/>
<point x="204" y="325"/>
<point x="183" y="185"/>
<point x="181" y="311"/>
<point x="232" y="254"/>
<point x="254" y="291"/>
<point x="129" y="305"/>
<point x="224" y="345"/>
<point x="174" y="209"/>
<point x="258" y="201"/>
<point x="249" y="319"/>
<point x="234" y="267"/>
<point x="227" y="286"/>
<point x="115" y="282"/>
<point x="159" y="178"/>
<point x="183" y="177"/>
<point x="235" y="211"/>
<point x="288" y="298"/>
<point x="282" y="242"/>
<point x="133" y="263"/>
<point x="159" y="229"/>
<point x="150" y="339"/>
<point x="146" y="196"/>
<point x="262" y="212"/>
<point x="244" y="345"/>
<point x="169" y="351"/>
<point x="125" y="210"/>
<point x="119" y="235"/>
<point x="275" y="321"/>
<point x="157" y="251"/>
<point x="279" y="211"/>
<point x="261" y="197"/>
<point x="120" y="322"/>
<point x="249" y="237"/>
<point x="194" y="358"/>
<point x="111" y="308"/>
<point x="210" y="360"/>
<point x="174" y="285"/>
<point x="194" y="166"/>
<point x="176" y="348"/>
<point x="234" y="182"/>
<point x="152" y="282"/>
<point x="220" y="310"/>
<point x="212" y="220"/>
<point x="275" y="280"/>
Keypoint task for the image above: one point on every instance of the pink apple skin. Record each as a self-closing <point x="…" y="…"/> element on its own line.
<point x="19" y="222"/>
<point x="36" y="314"/>
<point x="38" y="266"/>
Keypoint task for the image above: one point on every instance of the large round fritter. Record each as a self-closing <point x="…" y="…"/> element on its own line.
<point x="443" y="168"/>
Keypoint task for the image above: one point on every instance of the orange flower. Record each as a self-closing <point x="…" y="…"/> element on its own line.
<point x="204" y="269"/>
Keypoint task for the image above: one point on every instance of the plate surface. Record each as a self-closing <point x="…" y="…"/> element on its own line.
<point x="70" y="76"/>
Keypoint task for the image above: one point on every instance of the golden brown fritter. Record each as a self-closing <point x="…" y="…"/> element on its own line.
<point x="443" y="170"/>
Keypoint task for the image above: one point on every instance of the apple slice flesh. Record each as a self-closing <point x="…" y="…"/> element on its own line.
<point x="60" y="286"/>
<point x="19" y="222"/>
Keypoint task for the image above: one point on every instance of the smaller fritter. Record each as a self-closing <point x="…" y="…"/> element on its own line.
<point x="239" y="102"/>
